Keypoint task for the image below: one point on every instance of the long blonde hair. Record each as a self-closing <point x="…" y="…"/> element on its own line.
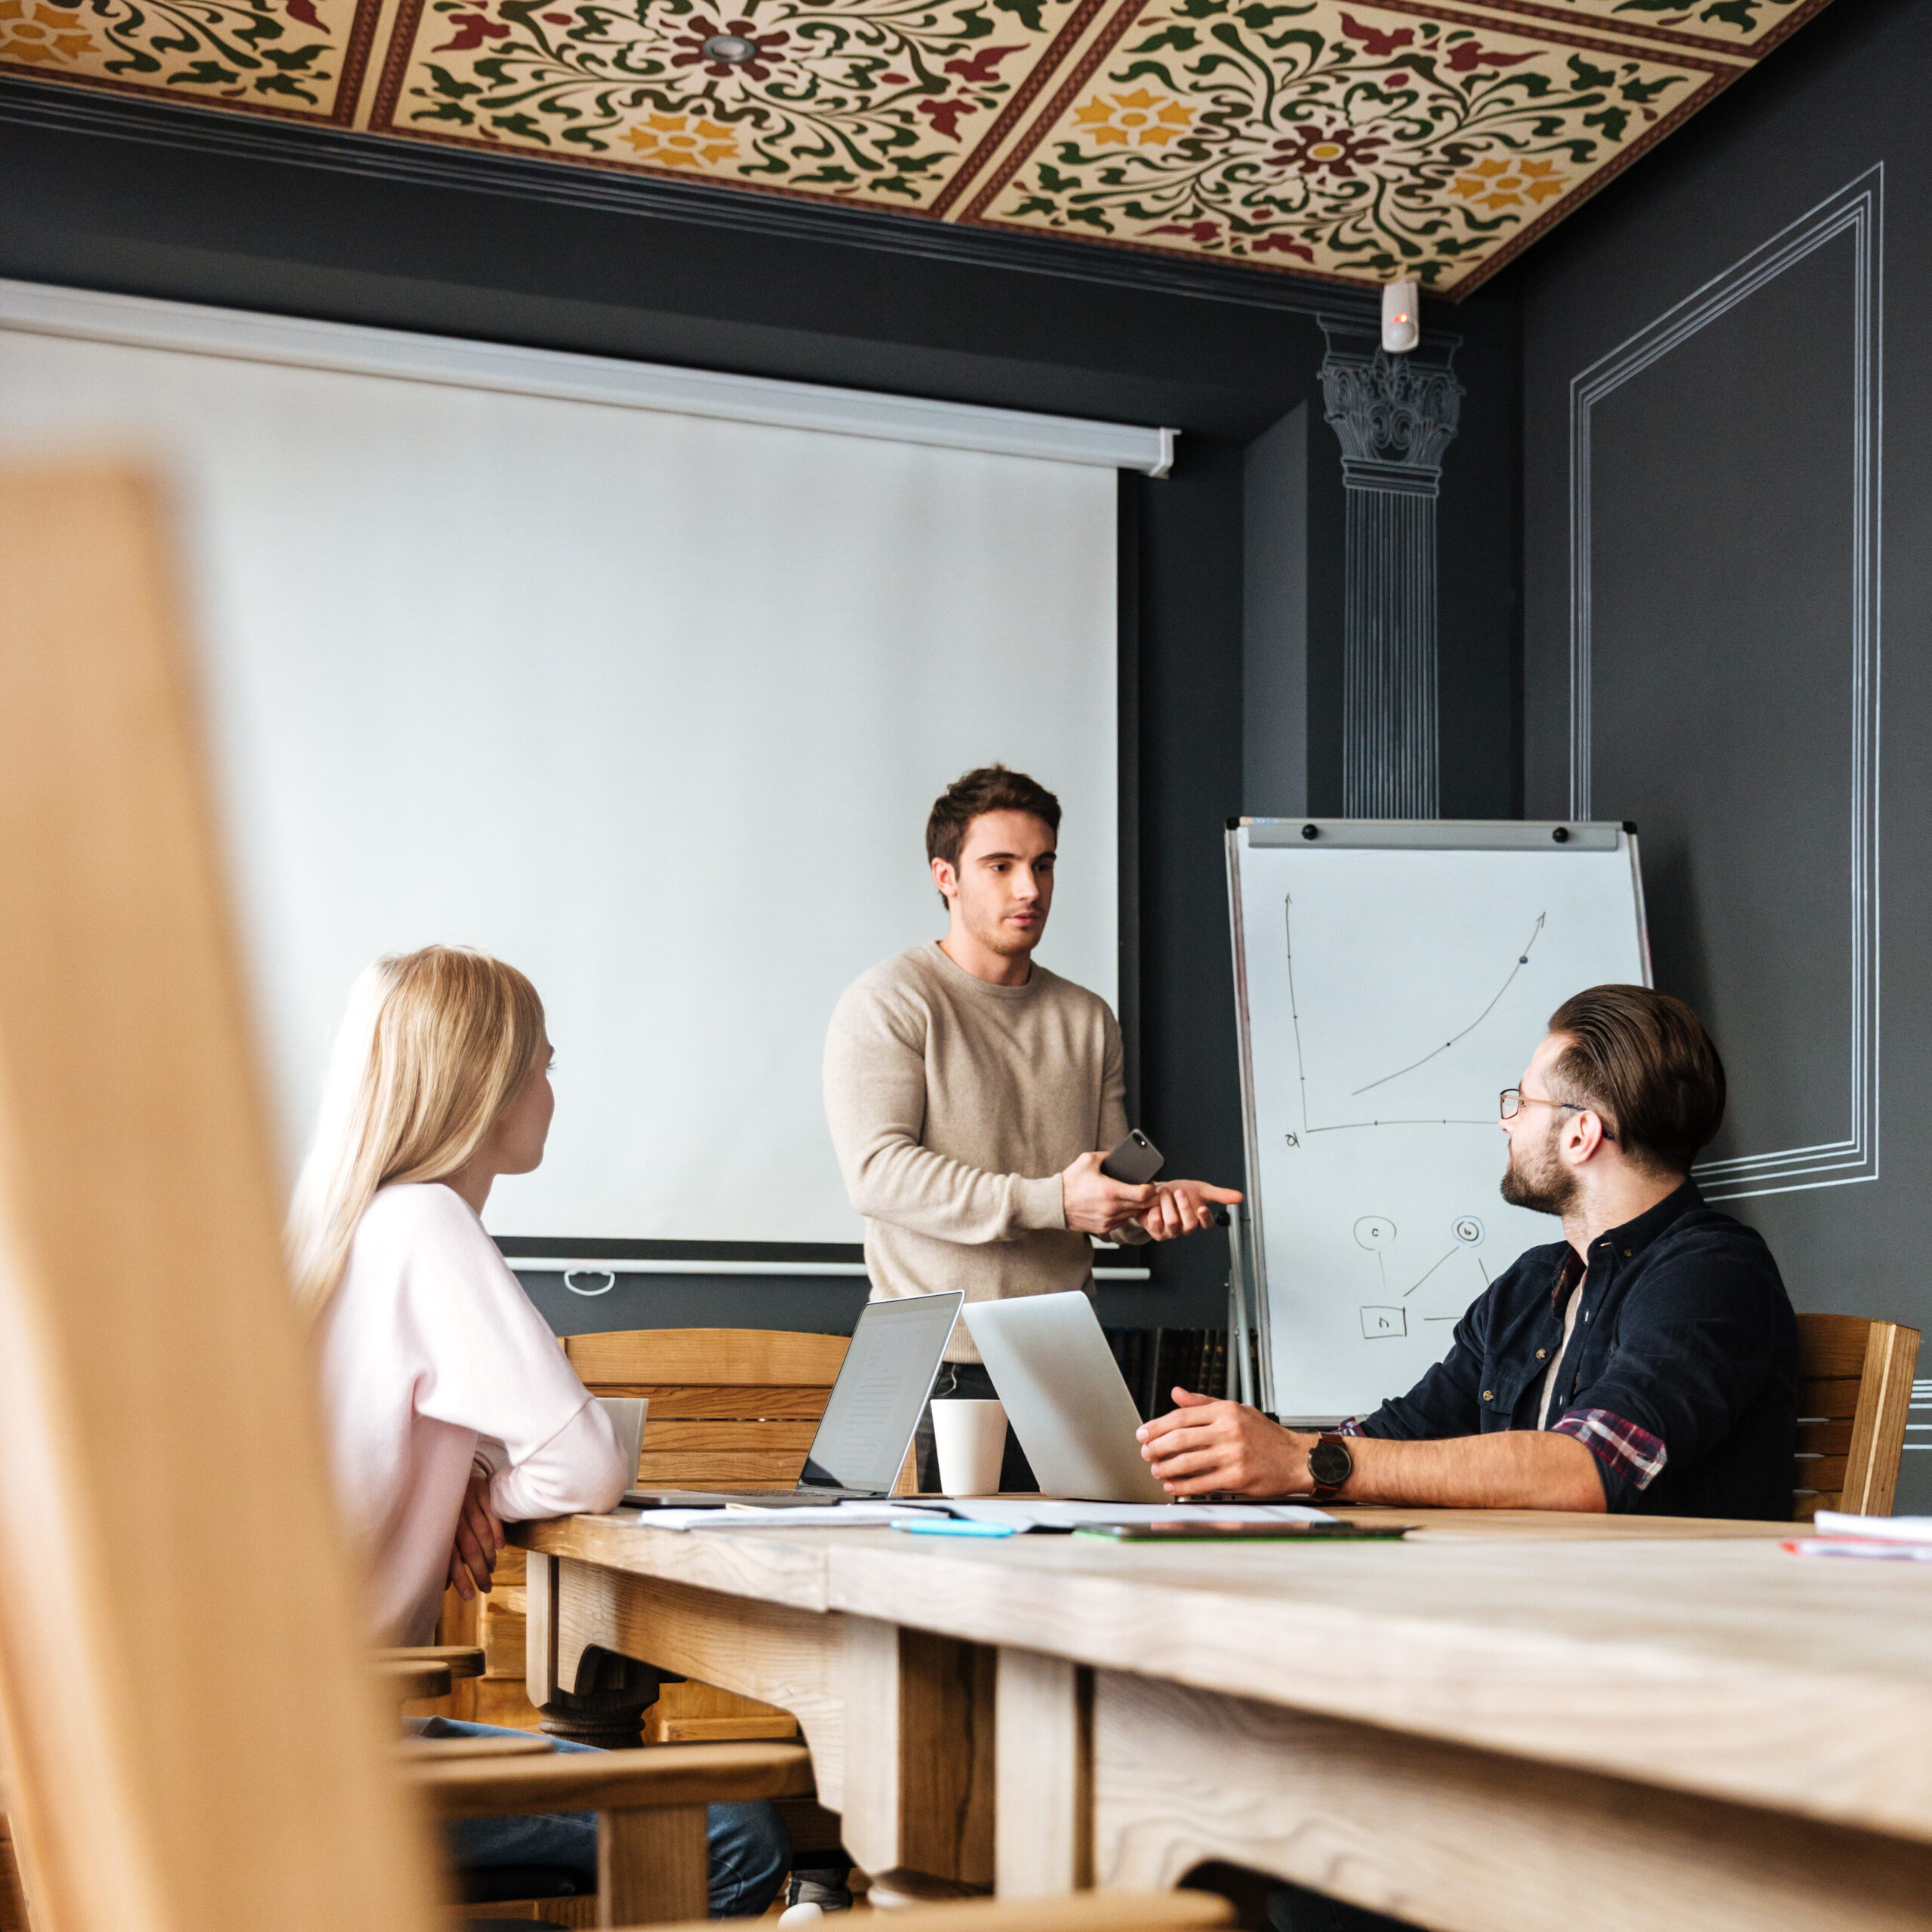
<point x="433" y="1047"/>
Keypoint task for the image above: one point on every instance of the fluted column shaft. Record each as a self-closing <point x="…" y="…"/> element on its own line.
<point x="1394" y="417"/>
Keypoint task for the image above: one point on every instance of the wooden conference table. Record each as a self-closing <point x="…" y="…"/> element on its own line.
<point x="1509" y="1720"/>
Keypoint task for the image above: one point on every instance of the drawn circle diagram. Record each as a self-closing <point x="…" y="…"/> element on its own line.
<point x="1374" y="1231"/>
<point x="1469" y="1230"/>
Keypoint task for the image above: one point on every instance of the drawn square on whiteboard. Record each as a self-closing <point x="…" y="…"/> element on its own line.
<point x="1380" y="1324"/>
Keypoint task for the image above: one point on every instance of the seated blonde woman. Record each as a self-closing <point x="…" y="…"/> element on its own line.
<point x="449" y="1408"/>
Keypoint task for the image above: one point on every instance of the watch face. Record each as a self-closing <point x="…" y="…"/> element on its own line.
<point x="1330" y="1464"/>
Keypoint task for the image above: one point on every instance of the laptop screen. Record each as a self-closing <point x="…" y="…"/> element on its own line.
<point x="881" y="1388"/>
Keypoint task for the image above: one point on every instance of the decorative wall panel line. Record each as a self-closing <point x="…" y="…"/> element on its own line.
<point x="1858" y="211"/>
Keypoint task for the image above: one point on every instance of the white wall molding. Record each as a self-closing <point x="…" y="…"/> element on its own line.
<point x="145" y="323"/>
<point x="1858" y="210"/>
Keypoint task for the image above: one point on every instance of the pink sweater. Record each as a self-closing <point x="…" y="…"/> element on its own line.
<point x="435" y="1362"/>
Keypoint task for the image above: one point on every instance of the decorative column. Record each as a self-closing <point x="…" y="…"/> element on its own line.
<point x="1395" y="416"/>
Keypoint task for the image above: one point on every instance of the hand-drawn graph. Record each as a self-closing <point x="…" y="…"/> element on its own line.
<point x="1390" y="992"/>
<point x="1301" y="1071"/>
<point x="1455" y="1038"/>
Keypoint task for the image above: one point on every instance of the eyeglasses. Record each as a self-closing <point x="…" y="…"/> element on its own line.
<point x="1515" y="1100"/>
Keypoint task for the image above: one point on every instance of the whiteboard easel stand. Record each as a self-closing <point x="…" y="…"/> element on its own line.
<point x="1240" y="1360"/>
<point x="1245" y="1223"/>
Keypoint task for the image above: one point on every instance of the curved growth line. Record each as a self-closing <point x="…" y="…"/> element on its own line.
<point x="1523" y="959"/>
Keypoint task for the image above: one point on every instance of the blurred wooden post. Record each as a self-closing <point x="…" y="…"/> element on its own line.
<point x="166" y="1544"/>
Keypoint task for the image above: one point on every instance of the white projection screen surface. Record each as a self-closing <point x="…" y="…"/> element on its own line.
<point x="650" y="705"/>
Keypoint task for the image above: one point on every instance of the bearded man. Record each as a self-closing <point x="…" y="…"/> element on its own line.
<point x="1647" y="1362"/>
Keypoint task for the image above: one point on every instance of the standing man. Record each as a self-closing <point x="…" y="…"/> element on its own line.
<point x="972" y="1094"/>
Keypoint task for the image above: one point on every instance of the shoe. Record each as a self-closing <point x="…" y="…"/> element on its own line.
<point x="805" y="1888"/>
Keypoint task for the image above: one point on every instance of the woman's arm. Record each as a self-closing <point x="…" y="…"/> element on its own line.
<point x="491" y="1365"/>
<point x="580" y="1469"/>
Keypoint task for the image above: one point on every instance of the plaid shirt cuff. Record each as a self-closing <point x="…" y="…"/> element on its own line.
<point x="1350" y="1427"/>
<point x="1624" y="1449"/>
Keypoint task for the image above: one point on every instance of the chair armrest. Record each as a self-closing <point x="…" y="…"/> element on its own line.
<point x="1078" y="1912"/>
<point x="406" y="1680"/>
<point x="524" y="1744"/>
<point x="662" y="1774"/>
<point x="463" y="1660"/>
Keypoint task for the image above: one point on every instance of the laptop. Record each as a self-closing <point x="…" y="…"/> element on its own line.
<point x="869" y="1423"/>
<point x="1065" y="1397"/>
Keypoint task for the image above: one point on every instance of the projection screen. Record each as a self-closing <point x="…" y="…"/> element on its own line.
<point x="650" y="704"/>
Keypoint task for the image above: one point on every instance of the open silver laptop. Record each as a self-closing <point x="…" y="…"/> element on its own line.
<point x="1065" y="1397"/>
<point x="869" y="1423"/>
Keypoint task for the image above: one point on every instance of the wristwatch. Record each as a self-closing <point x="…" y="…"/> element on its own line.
<point x="1329" y="1465"/>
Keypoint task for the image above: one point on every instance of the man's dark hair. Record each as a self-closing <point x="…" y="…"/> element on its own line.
<point x="1647" y="1061"/>
<point x="989" y="788"/>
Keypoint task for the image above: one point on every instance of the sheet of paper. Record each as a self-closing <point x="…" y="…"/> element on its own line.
<point x="834" y="1515"/>
<point x="1888" y="1529"/>
<point x="1040" y="1513"/>
<point x="1861" y="1547"/>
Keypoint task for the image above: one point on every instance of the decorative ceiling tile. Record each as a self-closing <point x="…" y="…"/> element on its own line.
<point x="1362" y="143"/>
<point x="1349" y="140"/>
<point x="300" y="58"/>
<point x="881" y="101"/>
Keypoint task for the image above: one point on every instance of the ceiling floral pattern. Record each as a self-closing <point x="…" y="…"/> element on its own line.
<point x="301" y="58"/>
<point x="878" y="100"/>
<point x="1353" y="142"/>
<point x="1380" y="150"/>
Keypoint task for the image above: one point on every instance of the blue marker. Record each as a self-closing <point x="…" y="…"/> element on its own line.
<point x="947" y="1526"/>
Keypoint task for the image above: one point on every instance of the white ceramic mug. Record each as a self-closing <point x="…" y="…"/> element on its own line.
<point x="627" y="1414"/>
<point x="971" y="1437"/>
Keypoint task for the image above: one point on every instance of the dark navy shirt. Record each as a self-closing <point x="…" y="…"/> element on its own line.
<point x="1681" y="1376"/>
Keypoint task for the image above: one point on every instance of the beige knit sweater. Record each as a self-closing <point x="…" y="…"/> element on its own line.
<point x="954" y="1105"/>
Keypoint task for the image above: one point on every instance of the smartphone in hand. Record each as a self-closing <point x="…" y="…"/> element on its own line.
<point x="1135" y="1161"/>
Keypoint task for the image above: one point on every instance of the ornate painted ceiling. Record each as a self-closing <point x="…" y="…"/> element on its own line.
<point x="1355" y="142"/>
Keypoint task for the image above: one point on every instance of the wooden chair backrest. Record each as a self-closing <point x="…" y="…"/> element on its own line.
<point x="1854" y="1390"/>
<point x="731" y="1408"/>
<point x="158" y="1425"/>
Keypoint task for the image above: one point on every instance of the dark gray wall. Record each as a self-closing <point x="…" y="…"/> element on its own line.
<point x="176" y="204"/>
<point x="1701" y="386"/>
<point x="1275" y="618"/>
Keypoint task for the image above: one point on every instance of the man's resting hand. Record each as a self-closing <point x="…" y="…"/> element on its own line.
<point x="1203" y="1444"/>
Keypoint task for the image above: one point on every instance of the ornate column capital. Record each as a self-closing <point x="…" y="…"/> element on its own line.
<point x="1394" y="415"/>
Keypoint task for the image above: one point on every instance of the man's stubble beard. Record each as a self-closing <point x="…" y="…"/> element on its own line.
<point x="1007" y="945"/>
<point x="1543" y="1184"/>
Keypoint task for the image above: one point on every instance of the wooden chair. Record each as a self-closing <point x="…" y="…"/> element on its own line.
<point x="731" y="1408"/>
<point x="157" y="1772"/>
<point x="1854" y="1390"/>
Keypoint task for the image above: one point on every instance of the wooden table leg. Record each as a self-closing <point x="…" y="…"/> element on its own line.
<point x="793" y="1659"/>
<point x="900" y="1723"/>
<point x="1043" y="1836"/>
<point x="919" y="1731"/>
<point x="1461" y="1840"/>
<point x="652" y="1866"/>
<point x="603" y="1701"/>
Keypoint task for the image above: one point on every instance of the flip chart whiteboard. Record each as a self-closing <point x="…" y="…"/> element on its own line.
<point x="1391" y="978"/>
